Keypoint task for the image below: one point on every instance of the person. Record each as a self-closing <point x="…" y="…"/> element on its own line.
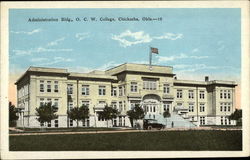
<point x="172" y="124"/>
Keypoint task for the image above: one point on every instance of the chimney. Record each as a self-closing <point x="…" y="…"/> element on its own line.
<point x="206" y="78"/>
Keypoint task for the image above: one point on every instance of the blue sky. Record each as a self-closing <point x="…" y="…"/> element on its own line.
<point x="196" y="42"/>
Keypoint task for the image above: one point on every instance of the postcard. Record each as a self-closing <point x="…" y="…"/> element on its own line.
<point x="124" y="79"/>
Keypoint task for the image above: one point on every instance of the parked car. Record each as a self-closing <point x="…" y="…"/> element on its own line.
<point x="150" y="124"/>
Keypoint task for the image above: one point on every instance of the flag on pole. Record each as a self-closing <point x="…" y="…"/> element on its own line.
<point x="154" y="50"/>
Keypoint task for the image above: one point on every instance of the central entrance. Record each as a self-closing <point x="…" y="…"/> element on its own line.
<point x="151" y="105"/>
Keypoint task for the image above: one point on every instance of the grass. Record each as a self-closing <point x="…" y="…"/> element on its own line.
<point x="140" y="141"/>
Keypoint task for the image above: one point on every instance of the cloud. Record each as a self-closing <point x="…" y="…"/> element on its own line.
<point x="45" y="48"/>
<point x="129" y="38"/>
<point x="39" y="50"/>
<point x="138" y="37"/>
<point x="170" y="36"/>
<point x="47" y="61"/>
<point x="82" y="36"/>
<point x="181" y="56"/>
<point x="28" y="33"/>
<point x="55" y="42"/>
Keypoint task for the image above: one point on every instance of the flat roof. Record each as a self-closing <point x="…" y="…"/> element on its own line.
<point x="144" y="68"/>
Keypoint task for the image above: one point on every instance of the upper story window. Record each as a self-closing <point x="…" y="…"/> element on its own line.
<point x="85" y="90"/>
<point x="102" y="90"/>
<point x="202" y="94"/>
<point x="228" y="94"/>
<point x="221" y="94"/>
<point x="133" y="87"/>
<point x="56" y="86"/>
<point x="221" y="107"/>
<point x="114" y="91"/>
<point x="120" y="106"/>
<point x="191" y="94"/>
<point x="179" y="93"/>
<point x="149" y="84"/>
<point x="166" y="106"/>
<point x="41" y="86"/>
<point x="191" y="107"/>
<point x="120" y="91"/>
<point x="48" y="86"/>
<point x="225" y="94"/>
<point x="202" y="107"/>
<point x="166" y="88"/>
<point x="70" y="88"/>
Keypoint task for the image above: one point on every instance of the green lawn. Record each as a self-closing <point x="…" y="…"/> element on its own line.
<point x="140" y="141"/>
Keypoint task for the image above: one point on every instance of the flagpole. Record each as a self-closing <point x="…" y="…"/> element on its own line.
<point x="150" y="58"/>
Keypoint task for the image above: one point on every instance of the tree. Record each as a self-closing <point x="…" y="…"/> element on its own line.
<point x="84" y="110"/>
<point x="12" y="114"/>
<point x="166" y="114"/>
<point x="135" y="114"/>
<point x="237" y="115"/>
<point x="109" y="113"/>
<point x="75" y="114"/>
<point x="46" y="113"/>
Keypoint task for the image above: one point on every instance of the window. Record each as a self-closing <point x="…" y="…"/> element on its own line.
<point x="70" y="105"/>
<point x="120" y="91"/>
<point x="85" y="103"/>
<point x="166" y="88"/>
<point x="70" y="122"/>
<point x="124" y="105"/>
<point x="133" y="87"/>
<point x="55" y="86"/>
<point x="41" y="86"/>
<point x="41" y="101"/>
<point x="225" y="107"/>
<point x="102" y="90"/>
<point x="221" y="94"/>
<point x="120" y="106"/>
<point x="202" y="94"/>
<point x="114" y="105"/>
<point x="191" y="107"/>
<point x="41" y="123"/>
<point x="166" y="106"/>
<point x="202" y="120"/>
<point x="149" y="84"/>
<point x="179" y="93"/>
<point x="49" y="101"/>
<point x="221" y="107"/>
<point x="225" y="94"/>
<point x="85" y="90"/>
<point x="221" y="120"/>
<point x="48" y="86"/>
<point x="191" y="94"/>
<point x="114" y="91"/>
<point x="56" y="123"/>
<point x="192" y="118"/>
<point x="70" y="89"/>
<point x="49" y="124"/>
<point x="202" y="107"/>
<point x="56" y="103"/>
<point x="228" y="107"/>
<point x="228" y="94"/>
<point x="225" y="120"/>
<point x="153" y="108"/>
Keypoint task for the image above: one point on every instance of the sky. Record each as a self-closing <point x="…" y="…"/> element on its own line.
<point x="196" y="42"/>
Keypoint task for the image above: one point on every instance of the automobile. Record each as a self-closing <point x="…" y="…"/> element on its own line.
<point x="150" y="124"/>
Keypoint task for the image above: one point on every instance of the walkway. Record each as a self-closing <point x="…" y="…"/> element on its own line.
<point x="121" y="131"/>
